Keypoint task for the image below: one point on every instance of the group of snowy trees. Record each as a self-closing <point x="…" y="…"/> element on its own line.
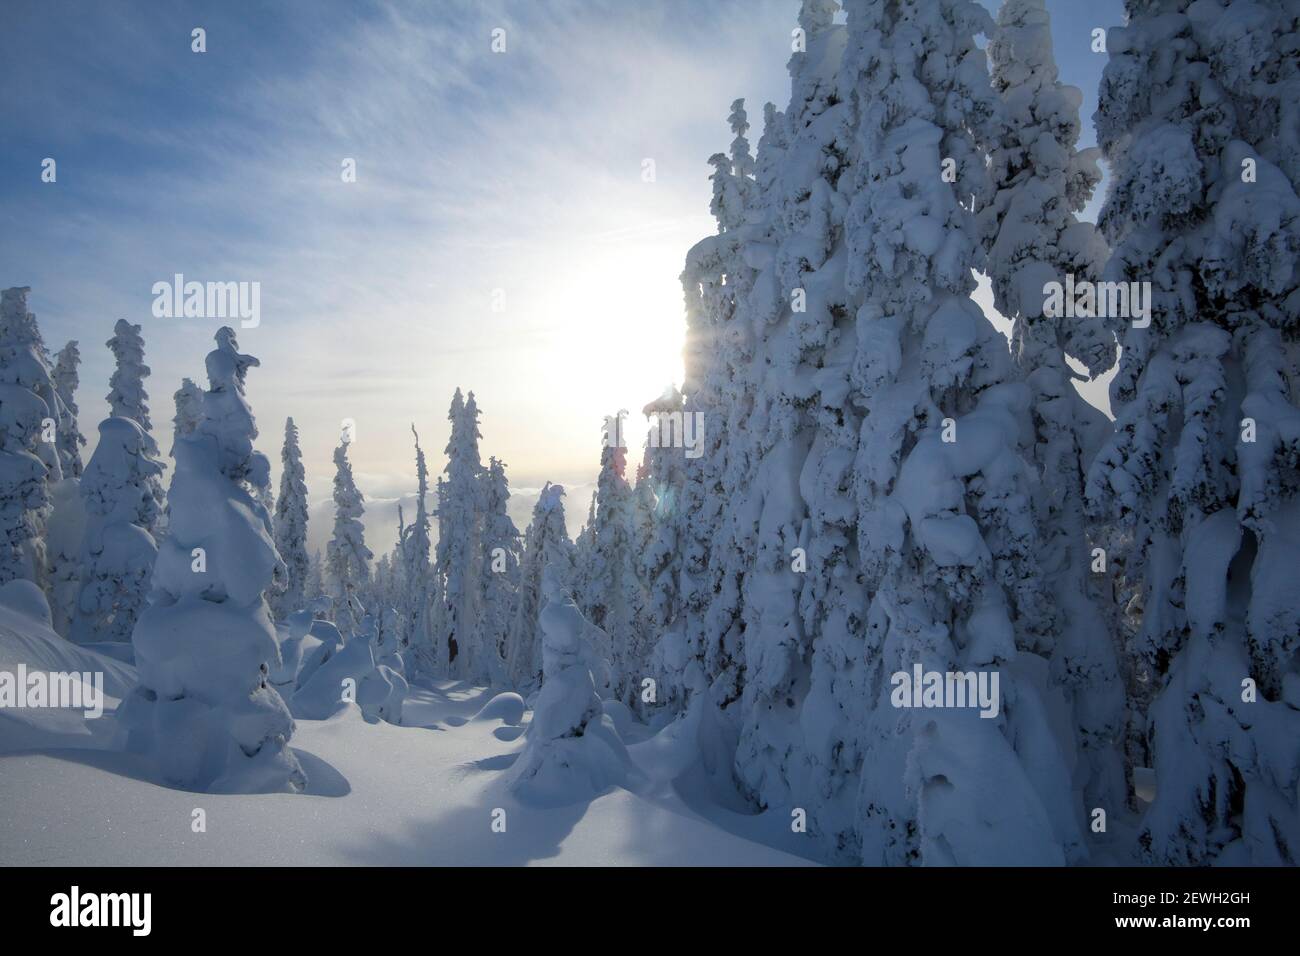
<point x="197" y="577"/>
<point x="85" y="534"/>
<point x="452" y="609"/>
<point x="885" y="482"/>
<point x="182" y="575"/>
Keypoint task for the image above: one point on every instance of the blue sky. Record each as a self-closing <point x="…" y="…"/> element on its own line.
<point x="476" y="171"/>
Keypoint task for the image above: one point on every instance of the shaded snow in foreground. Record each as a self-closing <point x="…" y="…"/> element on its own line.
<point x="422" y="793"/>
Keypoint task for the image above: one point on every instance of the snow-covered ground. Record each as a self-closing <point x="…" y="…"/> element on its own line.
<point x="422" y="793"/>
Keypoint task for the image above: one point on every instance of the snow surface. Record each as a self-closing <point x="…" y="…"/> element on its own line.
<point x="378" y="794"/>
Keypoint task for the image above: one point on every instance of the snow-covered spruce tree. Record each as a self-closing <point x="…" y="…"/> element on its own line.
<point x="291" y="526"/>
<point x="1198" y="118"/>
<point x="121" y="493"/>
<point x="189" y="408"/>
<point x="659" y="556"/>
<point x="415" y="547"/>
<point x="189" y="413"/>
<point x="204" y="711"/>
<point x="70" y="438"/>
<point x="1039" y="181"/>
<point x="383" y="600"/>
<point x="123" y="496"/>
<point x="645" y="508"/>
<point x="127" y="397"/>
<point x="584" y="551"/>
<point x="347" y="559"/>
<point x="614" y="587"/>
<point x="771" y="416"/>
<point x="943" y="475"/>
<point x="29" y="459"/>
<point x="547" y="544"/>
<point x="713" y="530"/>
<point x="64" y="532"/>
<point x="460" y="553"/>
<point x="66" y="525"/>
<point x="572" y="750"/>
<point x="500" y="579"/>
<point x="660" y="559"/>
<point x="432" y="649"/>
<point x="314" y="589"/>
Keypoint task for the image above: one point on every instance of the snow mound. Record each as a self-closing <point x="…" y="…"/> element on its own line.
<point x="296" y="645"/>
<point x="28" y="641"/>
<point x="621" y="714"/>
<point x="25" y="598"/>
<point x="507" y="708"/>
<point x="342" y="673"/>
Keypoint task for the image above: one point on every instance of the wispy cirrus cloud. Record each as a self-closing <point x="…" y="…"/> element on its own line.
<point x="477" y="173"/>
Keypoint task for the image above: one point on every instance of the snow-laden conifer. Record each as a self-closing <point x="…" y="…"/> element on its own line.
<point x="121" y="491"/>
<point x="204" y="712"/>
<point x="347" y="559"/>
<point x="291" y="526"/>
<point x="1198" y="121"/>
<point x="500" y="579"/>
<point x="460" y="553"/>
<point x="1039" y="182"/>
<point x="70" y="438"/>
<point x="547" y="544"/>
<point x="30" y="409"/>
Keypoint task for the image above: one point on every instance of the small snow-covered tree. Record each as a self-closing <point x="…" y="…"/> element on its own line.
<point x="189" y="413"/>
<point x="500" y="579"/>
<point x="547" y="544"/>
<point x="572" y="750"/>
<point x="127" y="397"/>
<point x="65" y="383"/>
<point x="189" y="408"/>
<point x="29" y="459"/>
<point x="204" y="711"/>
<point x="291" y="526"/>
<point x="66" y="525"/>
<point x="347" y="559"/>
<point x="122" y="504"/>
<point x="1197" y="118"/>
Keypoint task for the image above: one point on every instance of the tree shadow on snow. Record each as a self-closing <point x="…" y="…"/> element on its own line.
<point x="465" y="836"/>
<point x="323" y="780"/>
<point x="119" y="764"/>
<point x="436" y="706"/>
